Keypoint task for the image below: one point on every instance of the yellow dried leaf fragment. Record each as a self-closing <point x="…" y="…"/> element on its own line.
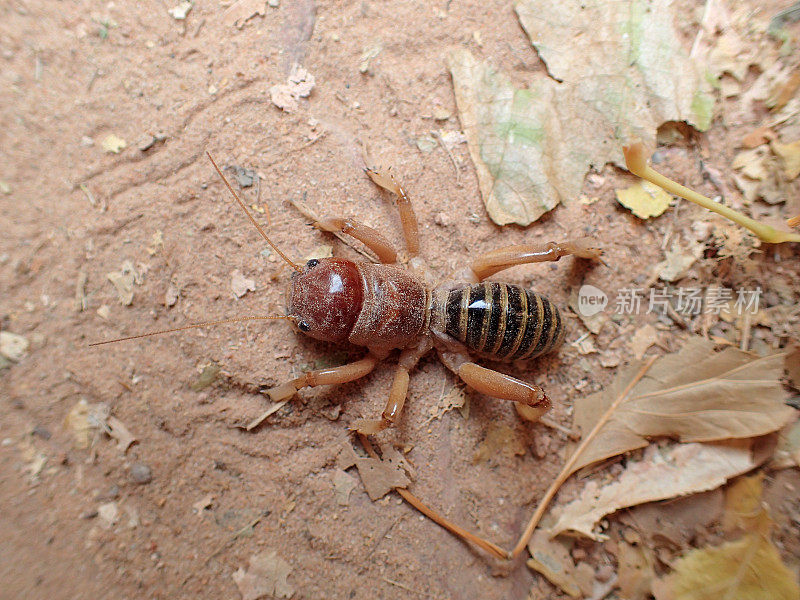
<point x="746" y="569"/>
<point x="644" y="199"/>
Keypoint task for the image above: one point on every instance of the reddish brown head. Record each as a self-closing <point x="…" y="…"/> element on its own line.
<point x="326" y="298"/>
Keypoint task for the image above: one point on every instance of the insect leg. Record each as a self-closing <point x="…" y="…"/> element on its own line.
<point x="407" y="217"/>
<point x="336" y="375"/>
<point x="531" y="400"/>
<point x="509" y="256"/>
<point x="397" y="395"/>
<point x="370" y="237"/>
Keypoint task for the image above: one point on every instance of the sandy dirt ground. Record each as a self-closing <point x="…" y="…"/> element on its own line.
<point x="161" y="519"/>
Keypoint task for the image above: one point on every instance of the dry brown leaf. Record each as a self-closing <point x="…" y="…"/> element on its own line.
<point x="117" y="430"/>
<point x="677" y="471"/>
<point x="379" y="477"/>
<point x="266" y="577"/>
<point x="747" y="569"/>
<point x="694" y="395"/>
<point x="551" y="558"/>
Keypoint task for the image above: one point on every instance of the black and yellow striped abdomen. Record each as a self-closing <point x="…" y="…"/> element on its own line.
<point x="503" y="321"/>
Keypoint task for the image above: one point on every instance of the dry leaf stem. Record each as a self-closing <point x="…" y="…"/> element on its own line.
<point x="637" y="164"/>
<point x="566" y="470"/>
<point x="436" y="517"/>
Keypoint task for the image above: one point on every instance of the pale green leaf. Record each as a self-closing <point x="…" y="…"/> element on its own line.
<point x="617" y="70"/>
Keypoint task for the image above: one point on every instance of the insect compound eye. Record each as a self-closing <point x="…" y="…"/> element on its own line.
<point x="312" y="263"/>
<point x="303" y="326"/>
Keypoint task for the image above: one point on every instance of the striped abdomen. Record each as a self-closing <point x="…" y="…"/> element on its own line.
<point x="503" y="321"/>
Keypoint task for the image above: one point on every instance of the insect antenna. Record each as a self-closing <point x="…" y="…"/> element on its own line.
<point x="249" y="216"/>
<point x="192" y="326"/>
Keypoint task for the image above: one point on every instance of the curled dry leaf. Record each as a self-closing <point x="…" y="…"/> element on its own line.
<point x="694" y="395"/>
<point x="267" y="577"/>
<point x="677" y="471"/>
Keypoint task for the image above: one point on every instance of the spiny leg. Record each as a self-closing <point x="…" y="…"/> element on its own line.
<point x="397" y="395"/>
<point x="407" y="217"/>
<point x="370" y="237"/>
<point x="530" y="399"/>
<point x="509" y="256"/>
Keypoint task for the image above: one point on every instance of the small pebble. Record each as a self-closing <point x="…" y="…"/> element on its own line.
<point x="41" y="432"/>
<point x="141" y="473"/>
<point x="112" y="493"/>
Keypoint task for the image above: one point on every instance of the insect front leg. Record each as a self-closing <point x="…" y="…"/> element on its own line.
<point x="365" y="234"/>
<point x="509" y="256"/>
<point x="532" y="402"/>
<point x="408" y="219"/>
<point x="397" y="395"/>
